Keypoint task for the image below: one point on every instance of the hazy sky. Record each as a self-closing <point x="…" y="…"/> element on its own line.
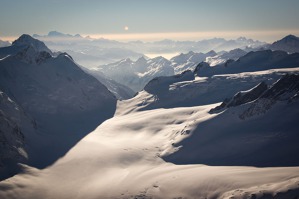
<point x="152" y="19"/>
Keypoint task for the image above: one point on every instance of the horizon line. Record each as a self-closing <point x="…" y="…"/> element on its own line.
<point x="264" y="35"/>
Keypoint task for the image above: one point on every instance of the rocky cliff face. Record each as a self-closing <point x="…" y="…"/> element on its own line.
<point x="242" y="97"/>
<point x="285" y="89"/>
<point x="261" y="98"/>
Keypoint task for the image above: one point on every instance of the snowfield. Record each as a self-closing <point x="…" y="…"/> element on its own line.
<point x="132" y="155"/>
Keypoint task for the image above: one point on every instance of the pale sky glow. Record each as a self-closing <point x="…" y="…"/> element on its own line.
<point x="149" y="20"/>
<point x="185" y="36"/>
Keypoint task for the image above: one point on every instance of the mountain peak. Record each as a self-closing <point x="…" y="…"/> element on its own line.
<point x="190" y="53"/>
<point x="211" y="53"/>
<point x="27" y="40"/>
<point x="55" y="34"/>
<point x="291" y="37"/>
<point x="289" y="44"/>
<point x="288" y="38"/>
<point x="24" y="39"/>
<point x="141" y="60"/>
<point x="242" y="39"/>
<point x="60" y="34"/>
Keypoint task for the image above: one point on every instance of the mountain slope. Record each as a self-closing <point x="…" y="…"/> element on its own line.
<point x="288" y="44"/>
<point x="64" y="101"/>
<point x="120" y="91"/>
<point x="189" y="60"/>
<point x="136" y="74"/>
<point x="91" y="52"/>
<point x="125" y="151"/>
<point x="222" y="58"/>
<point x="140" y="151"/>
<point x="251" y="129"/>
<point x="13" y="122"/>
<point x="252" y="61"/>
<point x="86" y="51"/>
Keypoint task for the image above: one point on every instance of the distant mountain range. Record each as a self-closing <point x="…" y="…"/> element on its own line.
<point x="86" y="51"/>
<point x="93" y="52"/>
<point x="252" y="61"/>
<point x="136" y="74"/>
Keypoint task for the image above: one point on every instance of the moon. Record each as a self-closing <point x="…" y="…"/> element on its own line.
<point x="126" y="28"/>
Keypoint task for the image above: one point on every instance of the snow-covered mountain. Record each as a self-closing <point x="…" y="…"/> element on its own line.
<point x="288" y="44"/>
<point x="131" y="149"/>
<point x="189" y="61"/>
<point x="228" y="133"/>
<point x="91" y="52"/>
<point x="259" y="99"/>
<point x="252" y="61"/>
<point x="86" y="51"/>
<point x="206" y="45"/>
<point x="251" y="128"/>
<point x="64" y="102"/>
<point x="221" y="58"/>
<point x="136" y="74"/>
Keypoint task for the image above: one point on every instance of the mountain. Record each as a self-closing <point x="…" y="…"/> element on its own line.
<point x="62" y="101"/>
<point x="25" y="41"/>
<point x="288" y="44"/>
<point x="228" y="133"/>
<point x="180" y="150"/>
<point x="221" y="58"/>
<point x="188" y="61"/>
<point x="242" y="97"/>
<point x="55" y="35"/>
<point x="86" y="51"/>
<point x="206" y="45"/>
<point x="121" y="92"/>
<point x="251" y="129"/>
<point x="136" y="74"/>
<point x="252" y="61"/>
<point x="91" y="52"/>
<point x="253" y="114"/>
<point x="27" y="46"/>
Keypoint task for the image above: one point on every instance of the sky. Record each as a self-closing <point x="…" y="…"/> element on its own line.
<point x="266" y="20"/>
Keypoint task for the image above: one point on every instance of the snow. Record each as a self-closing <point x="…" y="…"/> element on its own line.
<point x="121" y="159"/>
<point x="188" y="61"/>
<point x="125" y="156"/>
<point x="162" y="143"/>
<point x="136" y="74"/>
<point x="222" y="58"/>
<point x="252" y="61"/>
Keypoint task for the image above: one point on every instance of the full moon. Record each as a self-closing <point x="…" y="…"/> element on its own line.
<point x="126" y="28"/>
